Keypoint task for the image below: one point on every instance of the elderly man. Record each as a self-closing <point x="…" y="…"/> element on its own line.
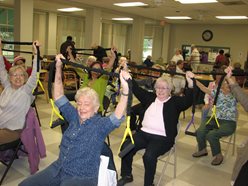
<point x="194" y="58"/>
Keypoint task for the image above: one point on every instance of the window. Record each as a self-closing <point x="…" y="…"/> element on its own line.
<point x="147" y="47"/>
<point x="7" y="30"/>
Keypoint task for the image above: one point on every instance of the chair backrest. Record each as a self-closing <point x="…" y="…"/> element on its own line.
<point x="70" y="79"/>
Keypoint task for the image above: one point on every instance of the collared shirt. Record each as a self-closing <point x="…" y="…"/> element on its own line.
<point x="82" y="144"/>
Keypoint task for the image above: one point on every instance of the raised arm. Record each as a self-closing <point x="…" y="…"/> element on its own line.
<point x="237" y="91"/>
<point x="69" y="51"/>
<point x="31" y="83"/>
<point x="58" y="84"/>
<point x="112" y="58"/>
<point x="3" y="72"/>
<point x="121" y="107"/>
<point x="202" y="87"/>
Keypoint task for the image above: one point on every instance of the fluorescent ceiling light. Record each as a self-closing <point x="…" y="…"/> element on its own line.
<point x="178" y="17"/>
<point x="122" y="19"/>
<point x="130" y="4"/>
<point x="231" y="17"/>
<point x="196" y="1"/>
<point x="72" y="9"/>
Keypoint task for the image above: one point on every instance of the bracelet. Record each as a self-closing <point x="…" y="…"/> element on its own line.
<point x="124" y="94"/>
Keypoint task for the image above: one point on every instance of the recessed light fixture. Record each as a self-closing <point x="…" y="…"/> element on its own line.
<point x="122" y="19"/>
<point x="196" y="1"/>
<point x="178" y="17"/>
<point x="231" y="17"/>
<point x="130" y="4"/>
<point x="72" y="9"/>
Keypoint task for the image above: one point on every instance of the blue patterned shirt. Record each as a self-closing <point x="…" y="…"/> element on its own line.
<point x="81" y="145"/>
<point x="226" y="106"/>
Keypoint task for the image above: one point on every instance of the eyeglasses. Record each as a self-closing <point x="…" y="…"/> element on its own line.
<point x="162" y="88"/>
<point x="17" y="75"/>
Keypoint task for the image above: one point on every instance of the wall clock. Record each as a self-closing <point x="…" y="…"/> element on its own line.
<point x="207" y="35"/>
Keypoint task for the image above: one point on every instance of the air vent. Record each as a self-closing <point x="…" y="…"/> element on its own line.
<point x="232" y="3"/>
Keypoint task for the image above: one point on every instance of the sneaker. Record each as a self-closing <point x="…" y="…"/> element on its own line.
<point x="218" y="159"/>
<point x="57" y="122"/>
<point x="200" y="153"/>
<point x="124" y="180"/>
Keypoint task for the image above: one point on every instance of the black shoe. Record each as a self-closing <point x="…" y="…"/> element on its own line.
<point x="57" y="122"/>
<point x="124" y="180"/>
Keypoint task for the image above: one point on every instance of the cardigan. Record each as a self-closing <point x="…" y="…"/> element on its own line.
<point x="171" y="109"/>
<point x="33" y="142"/>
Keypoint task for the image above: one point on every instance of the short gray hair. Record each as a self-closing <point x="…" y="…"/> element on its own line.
<point x="166" y="80"/>
<point x="89" y="92"/>
<point x="14" y="68"/>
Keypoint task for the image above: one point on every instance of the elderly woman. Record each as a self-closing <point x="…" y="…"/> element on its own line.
<point x="241" y="165"/>
<point x="16" y="98"/>
<point x="19" y="60"/>
<point x="159" y="126"/>
<point x="82" y="142"/>
<point x="226" y="114"/>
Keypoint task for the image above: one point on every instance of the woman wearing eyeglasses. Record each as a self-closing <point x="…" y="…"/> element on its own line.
<point x="16" y="98"/>
<point x="159" y="126"/>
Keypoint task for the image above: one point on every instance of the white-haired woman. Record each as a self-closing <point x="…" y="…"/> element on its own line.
<point x="159" y="126"/>
<point x="16" y="98"/>
<point x="82" y="142"/>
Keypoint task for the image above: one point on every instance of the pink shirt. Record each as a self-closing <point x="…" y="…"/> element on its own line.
<point x="153" y="121"/>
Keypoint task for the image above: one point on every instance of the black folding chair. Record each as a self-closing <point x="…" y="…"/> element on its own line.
<point x="13" y="146"/>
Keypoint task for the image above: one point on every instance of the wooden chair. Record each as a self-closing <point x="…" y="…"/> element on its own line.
<point x="70" y="80"/>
